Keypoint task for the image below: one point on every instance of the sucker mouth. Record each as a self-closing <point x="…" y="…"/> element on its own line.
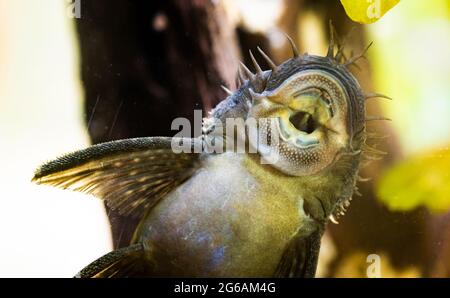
<point x="303" y="121"/>
<point x="298" y="135"/>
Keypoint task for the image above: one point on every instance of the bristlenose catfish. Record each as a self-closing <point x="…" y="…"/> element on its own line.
<point x="227" y="214"/>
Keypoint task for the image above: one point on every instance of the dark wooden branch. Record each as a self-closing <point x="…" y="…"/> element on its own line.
<point x="144" y="63"/>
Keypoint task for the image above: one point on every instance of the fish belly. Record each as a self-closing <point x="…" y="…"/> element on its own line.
<point x="223" y="221"/>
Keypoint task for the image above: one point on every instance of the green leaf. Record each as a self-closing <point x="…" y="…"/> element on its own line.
<point x="367" y="11"/>
<point x="423" y="180"/>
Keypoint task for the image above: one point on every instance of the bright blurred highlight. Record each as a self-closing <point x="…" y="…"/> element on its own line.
<point x="422" y="180"/>
<point x="412" y="64"/>
<point x="367" y="11"/>
<point x="45" y="232"/>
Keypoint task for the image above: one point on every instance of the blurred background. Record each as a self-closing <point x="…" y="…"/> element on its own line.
<point x="73" y="73"/>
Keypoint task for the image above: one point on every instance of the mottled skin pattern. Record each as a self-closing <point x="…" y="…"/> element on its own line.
<point x="229" y="215"/>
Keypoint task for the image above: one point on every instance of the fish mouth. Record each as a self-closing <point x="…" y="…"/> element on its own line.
<point x="305" y="117"/>
<point x="299" y="129"/>
<point x="303" y="122"/>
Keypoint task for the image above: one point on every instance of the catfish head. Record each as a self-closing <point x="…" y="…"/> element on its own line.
<point x="311" y="115"/>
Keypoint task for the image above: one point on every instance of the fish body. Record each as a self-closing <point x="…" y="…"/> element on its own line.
<point x="232" y="218"/>
<point x="234" y="214"/>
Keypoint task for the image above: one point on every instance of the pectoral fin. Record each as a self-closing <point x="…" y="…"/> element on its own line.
<point x="130" y="261"/>
<point x="130" y="175"/>
<point x="300" y="256"/>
